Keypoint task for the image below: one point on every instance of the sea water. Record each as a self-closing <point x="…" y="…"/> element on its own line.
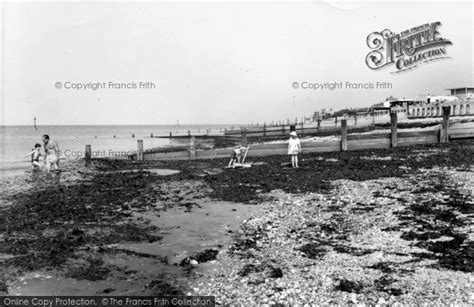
<point x="105" y="141"/>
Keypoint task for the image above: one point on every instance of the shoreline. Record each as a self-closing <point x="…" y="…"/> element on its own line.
<point x="111" y="224"/>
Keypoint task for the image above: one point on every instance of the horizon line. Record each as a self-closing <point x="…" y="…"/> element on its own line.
<point x="2" y="125"/>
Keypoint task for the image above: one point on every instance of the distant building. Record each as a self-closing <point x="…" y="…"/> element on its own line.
<point x="459" y="101"/>
<point x="322" y="114"/>
<point x="463" y="93"/>
<point x="399" y="106"/>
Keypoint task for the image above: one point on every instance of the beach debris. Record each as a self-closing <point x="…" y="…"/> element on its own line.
<point x="350" y="286"/>
<point x="201" y="257"/>
<point x="274" y="272"/>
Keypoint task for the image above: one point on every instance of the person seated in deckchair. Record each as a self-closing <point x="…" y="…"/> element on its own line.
<point x="237" y="155"/>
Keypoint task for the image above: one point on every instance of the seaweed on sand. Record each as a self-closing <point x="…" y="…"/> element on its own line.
<point x="45" y="228"/>
<point x="437" y="225"/>
<point x="350" y="286"/>
<point x="384" y="283"/>
<point x="269" y="270"/>
<point x="313" y="251"/>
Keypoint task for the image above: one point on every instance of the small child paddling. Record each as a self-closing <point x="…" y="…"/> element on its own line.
<point x="35" y="156"/>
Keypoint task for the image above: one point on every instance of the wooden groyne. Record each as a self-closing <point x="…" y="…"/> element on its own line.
<point x="444" y="132"/>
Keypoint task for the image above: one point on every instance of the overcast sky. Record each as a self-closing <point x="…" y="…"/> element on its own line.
<point x="212" y="63"/>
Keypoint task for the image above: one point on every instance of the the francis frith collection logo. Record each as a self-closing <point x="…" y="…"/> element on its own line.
<point x="408" y="49"/>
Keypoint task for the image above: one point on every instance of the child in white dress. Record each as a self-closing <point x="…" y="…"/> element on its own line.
<point x="294" y="147"/>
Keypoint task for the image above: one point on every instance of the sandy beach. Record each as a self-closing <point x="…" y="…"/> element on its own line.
<point x="370" y="226"/>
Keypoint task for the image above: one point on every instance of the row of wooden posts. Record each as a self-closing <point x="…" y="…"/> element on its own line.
<point x="272" y="129"/>
<point x="443" y="137"/>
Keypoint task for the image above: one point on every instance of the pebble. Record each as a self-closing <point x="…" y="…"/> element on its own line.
<point x="353" y="298"/>
<point x="381" y="301"/>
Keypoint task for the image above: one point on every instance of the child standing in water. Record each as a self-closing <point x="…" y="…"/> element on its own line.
<point x="35" y="156"/>
<point x="294" y="147"/>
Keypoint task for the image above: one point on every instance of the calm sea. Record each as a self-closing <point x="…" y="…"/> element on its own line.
<point x="106" y="141"/>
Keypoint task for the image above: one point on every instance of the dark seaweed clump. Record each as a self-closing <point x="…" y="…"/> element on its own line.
<point x="437" y="223"/>
<point x="350" y="286"/>
<point x="266" y="269"/>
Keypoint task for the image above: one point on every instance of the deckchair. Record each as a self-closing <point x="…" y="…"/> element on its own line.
<point x="242" y="163"/>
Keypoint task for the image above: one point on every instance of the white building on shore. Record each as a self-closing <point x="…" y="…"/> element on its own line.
<point x="460" y="101"/>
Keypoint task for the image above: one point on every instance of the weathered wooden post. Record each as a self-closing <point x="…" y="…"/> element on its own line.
<point x="264" y="129"/>
<point x="302" y="128"/>
<point x="319" y="123"/>
<point x="283" y="129"/>
<point x="335" y="120"/>
<point x="393" y="128"/>
<point x="444" y="133"/>
<point x="192" y="148"/>
<point x="171" y="134"/>
<point x="140" y="150"/>
<point x="244" y="137"/>
<point x="344" y="134"/>
<point x="355" y="119"/>
<point x="88" y="153"/>
<point x="189" y="132"/>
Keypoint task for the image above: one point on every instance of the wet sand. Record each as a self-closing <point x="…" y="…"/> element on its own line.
<point x="128" y="227"/>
